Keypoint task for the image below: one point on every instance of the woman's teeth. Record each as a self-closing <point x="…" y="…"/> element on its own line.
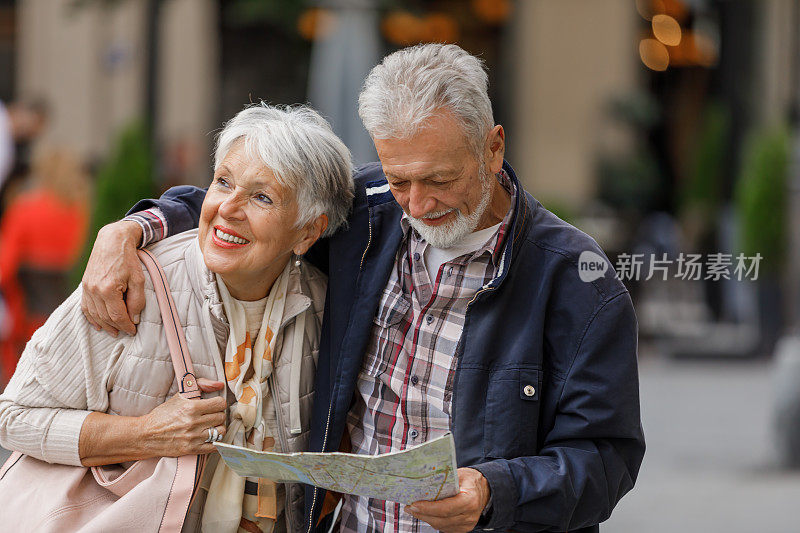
<point x="229" y="238"/>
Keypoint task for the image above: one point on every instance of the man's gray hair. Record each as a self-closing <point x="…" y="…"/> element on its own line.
<point x="411" y="85"/>
<point x="300" y="148"/>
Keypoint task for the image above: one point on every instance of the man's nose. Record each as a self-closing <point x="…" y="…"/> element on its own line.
<point x="419" y="202"/>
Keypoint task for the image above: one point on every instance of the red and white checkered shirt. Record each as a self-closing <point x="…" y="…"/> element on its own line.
<point x="405" y="385"/>
<point x="153" y="223"/>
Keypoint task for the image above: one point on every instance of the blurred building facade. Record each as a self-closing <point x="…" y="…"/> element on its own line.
<point x="88" y="60"/>
<point x="557" y="66"/>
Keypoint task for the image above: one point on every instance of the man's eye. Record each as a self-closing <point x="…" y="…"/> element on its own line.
<point x="398" y="184"/>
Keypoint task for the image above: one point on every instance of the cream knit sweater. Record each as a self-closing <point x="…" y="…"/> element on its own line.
<point x="69" y="370"/>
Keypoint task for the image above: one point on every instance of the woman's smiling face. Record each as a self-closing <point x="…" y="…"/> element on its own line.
<point x="248" y="225"/>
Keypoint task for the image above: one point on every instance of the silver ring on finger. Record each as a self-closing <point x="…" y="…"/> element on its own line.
<point x="211" y="436"/>
<point x="218" y="435"/>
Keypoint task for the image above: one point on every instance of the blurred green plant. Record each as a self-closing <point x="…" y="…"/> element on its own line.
<point x="703" y="188"/>
<point x="629" y="181"/>
<point x="761" y="197"/>
<point x="561" y="209"/>
<point x="122" y="180"/>
<point x="638" y="110"/>
<point x="279" y="12"/>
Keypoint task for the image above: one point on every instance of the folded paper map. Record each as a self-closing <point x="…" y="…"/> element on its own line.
<point x="424" y="472"/>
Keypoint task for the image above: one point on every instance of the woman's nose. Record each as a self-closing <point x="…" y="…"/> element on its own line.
<point x="231" y="207"/>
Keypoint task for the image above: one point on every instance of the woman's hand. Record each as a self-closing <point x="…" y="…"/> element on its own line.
<point x="177" y="427"/>
<point x="180" y="426"/>
<point x="113" y="282"/>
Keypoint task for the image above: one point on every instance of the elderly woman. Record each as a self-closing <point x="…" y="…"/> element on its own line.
<point x="251" y="310"/>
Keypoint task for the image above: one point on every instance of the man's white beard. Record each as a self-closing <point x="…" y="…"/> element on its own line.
<point x="451" y="234"/>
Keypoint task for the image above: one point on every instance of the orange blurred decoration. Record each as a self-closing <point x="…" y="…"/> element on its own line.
<point x="695" y="50"/>
<point x="492" y="11"/>
<point x="648" y="8"/>
<point x="439" y="28"/>
<point x="706" y="49"/>
<point x="675" y="9"/>
<point x="654" y="54"/>
<point x="316" y="23"/>
<point x="402" y="28"/>
<point x="667" y="30"/>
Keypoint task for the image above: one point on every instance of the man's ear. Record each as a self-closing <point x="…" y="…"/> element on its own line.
<point x="311" y="232"/>
<point x="495" y="149"/>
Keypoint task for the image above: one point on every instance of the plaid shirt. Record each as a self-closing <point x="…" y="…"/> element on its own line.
<point x="405" y="386"/>
<point x="153" y="223"/>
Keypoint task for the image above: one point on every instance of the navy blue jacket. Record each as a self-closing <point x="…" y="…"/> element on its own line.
<point x="557" y="460"/>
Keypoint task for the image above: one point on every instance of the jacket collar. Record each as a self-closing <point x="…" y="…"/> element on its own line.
<point x="520" y="224"/>
<point x="378" y="194"/>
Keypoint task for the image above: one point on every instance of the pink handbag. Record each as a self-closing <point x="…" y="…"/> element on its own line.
<point x="150" y="495"/>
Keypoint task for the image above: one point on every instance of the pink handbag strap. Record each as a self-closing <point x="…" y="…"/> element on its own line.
<point x="184" y="371"/>
<point x="180" y="495"/>
<point x="11" y="461"/>
<point x="183" y="482"/>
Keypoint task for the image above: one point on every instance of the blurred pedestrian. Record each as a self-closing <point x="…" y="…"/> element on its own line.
<point x="20" y="123"/>
<point x="42" y="233"/>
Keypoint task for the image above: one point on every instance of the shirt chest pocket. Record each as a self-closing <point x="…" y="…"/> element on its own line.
<point x="512" y="412"/>
<point x="389" y="327"/>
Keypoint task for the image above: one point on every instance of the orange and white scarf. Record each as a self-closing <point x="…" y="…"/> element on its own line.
<point x="248" y="366"/>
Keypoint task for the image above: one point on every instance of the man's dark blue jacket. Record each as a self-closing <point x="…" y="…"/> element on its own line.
<point x="557" y="460"/>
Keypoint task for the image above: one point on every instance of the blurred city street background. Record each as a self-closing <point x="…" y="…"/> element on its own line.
<point x="668" y="130"/>
<point x="711" y="463"/>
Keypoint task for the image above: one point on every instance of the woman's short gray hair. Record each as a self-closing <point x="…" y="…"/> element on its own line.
<point x="300" y="148"/>
<point x="413" y="84"/>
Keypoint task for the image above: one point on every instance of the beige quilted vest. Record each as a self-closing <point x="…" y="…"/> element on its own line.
<point x="144" y="378"/>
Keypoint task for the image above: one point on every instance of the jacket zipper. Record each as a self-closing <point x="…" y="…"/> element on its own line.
<point x="324" y="443"/>
<point x="330" y="406"/>
<point x="369" y="241"/>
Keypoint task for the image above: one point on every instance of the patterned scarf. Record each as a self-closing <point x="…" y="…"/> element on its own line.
<point x="248" y="366"/>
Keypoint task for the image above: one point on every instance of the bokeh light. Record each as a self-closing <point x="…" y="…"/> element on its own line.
<point x="492" y="11"/>
<point x="675" y="9"/>
<point x="649" y="8"/>
<point x="439" y="28"/>
<point x="667" y="30"/>
<point x="654" y="54"/>
<point x="402" y="28"/>
<point x="316" y="23"/>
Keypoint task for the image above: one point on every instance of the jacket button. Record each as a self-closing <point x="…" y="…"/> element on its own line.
<point x="414" y="380"/>
<point x="429" y="319"/>
<point x="529" y="390"/>
<point x="413" y="433"/>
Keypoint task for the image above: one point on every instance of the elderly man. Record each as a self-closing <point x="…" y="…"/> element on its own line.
<point x="455" y="303"/>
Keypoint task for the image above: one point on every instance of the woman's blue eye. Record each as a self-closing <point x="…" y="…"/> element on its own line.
<point x="222" y="182"/>
<point x="263" y="198"/>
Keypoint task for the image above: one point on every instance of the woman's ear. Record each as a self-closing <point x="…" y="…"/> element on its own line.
<point x="311" y="232"/>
